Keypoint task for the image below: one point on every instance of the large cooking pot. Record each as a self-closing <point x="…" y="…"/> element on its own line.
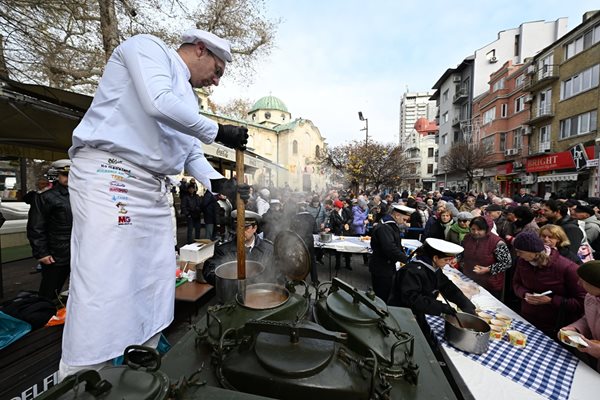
<point x="473" y="337"/>
<point x="263" y="296"/>
<point x="227" y="283"/>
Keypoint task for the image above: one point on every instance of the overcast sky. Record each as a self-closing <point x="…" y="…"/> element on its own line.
<point x="334" y="58"/>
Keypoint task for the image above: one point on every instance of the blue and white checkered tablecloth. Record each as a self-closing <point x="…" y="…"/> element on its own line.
<point x="542" y="366"/>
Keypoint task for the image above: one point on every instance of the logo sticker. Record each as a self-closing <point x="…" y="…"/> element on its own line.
<point x="114" y="161"/>
<point x="117" y="184"/>
<point x="121" y="207"/>
<point x="118" y="190"/>
<point x="117" y="177"/>
<point x="118" y="197"/>
<point x="124" y="220"/>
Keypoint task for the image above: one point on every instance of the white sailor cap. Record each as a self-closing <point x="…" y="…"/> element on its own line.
<point x="403" y="209"/>
<point x="219" y="47"/>
<point x="448" y="248"/>
<point x="275" y="201"/>
<point x="63" y="165"/>
<point x="250" y="217"/>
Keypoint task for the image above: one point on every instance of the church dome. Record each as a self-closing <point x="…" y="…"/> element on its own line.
<point x="269" y="103"/>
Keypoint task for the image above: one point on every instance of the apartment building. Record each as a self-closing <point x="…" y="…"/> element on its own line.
<point x="499" y="124"/>
<point x="563" y="86"/>
<point x="414" y="105"/>
<point x="457" y="87"/>
<point x="420" y="153"/>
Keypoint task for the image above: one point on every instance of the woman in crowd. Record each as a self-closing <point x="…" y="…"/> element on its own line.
<point x="486" y="257"/>
<point x="457" y="232"/>
<point x="589" y="324"/>
<point x="540" y="269"/>
<point x="439" y="225"/>
<point x="555" y="237"/>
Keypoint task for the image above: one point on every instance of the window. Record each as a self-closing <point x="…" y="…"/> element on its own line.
<point x="295" y="147"/>
<point x="503" y="110"/>
<point x="581" y="82"/>
<point x="430" y="168"/>
<point x="582" y="42"/>
<point x="498" y="85"/>
<point x="455" y="136"/>
<point x="519" y="104"/>
<point x="579" y="124"/>
<point x="445" y="117"/>
<point x="317" y="151"/>
<point x="430" y="152"/>
<point x="267" y="115"/>
<point x="445" y="139"/>
<point x="488" y="143"/>
<point x="254" y="117"/>
<point x="503" y="141"/>
<point x="517" y="45"/>
<point x="517" y="139"/>
<point x="445" y="96"/>
<point x="283" y="117"/>
<point x="489" y="115"/>
<point x="545" y="134"/>
<point x="520" y="81"/>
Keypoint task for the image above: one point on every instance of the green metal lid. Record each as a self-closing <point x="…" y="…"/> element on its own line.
<point x="343" y="305"/>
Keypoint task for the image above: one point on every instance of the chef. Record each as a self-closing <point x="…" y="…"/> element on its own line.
<point x="143" y="124"/>
<point x="387" y="249"/>
<point x="418" y="283"/>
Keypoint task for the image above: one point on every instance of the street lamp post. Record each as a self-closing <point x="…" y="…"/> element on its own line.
<point x="366" y="128"/>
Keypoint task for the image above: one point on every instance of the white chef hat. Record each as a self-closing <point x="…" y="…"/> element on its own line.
<point x="219" y="47"/>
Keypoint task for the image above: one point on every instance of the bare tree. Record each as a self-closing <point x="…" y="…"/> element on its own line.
<point x="374" y="165"/>
<point x="65" y="43"/>
<point x="466" y="158"/>
<point x="236" y="108"/>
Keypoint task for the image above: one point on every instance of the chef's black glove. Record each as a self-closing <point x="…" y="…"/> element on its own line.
<point x="244" y="190"/>
<point x="235" y="137"/>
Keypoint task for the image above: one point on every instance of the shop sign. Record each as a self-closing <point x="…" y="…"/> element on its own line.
<point x="504" y="169"/>
<point x="580" y="158"/>
<point x="550" y="162"/>
<point x="441" y="184"/>
<point x="592" y="163"/>
<point x="503" y="178"/>
<point x="478" y="172"/>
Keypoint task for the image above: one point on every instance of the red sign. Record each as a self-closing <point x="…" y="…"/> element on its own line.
<point x="549" y="162"/>
<point x="504" y="169"/>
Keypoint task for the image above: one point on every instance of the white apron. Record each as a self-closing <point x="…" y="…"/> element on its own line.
<point x="122" y="289"/>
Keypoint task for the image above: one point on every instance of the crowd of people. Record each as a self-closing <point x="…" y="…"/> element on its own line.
<point x="526" y="251"/>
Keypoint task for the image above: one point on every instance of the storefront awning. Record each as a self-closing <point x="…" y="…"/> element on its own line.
<point x="558" y="177"/>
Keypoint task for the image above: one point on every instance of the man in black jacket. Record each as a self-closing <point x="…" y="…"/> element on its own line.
<point x="387" y="249"/>
<point x="49" y="232"/>
<point x="191" y="208"/>
<point x="256" y="249"/>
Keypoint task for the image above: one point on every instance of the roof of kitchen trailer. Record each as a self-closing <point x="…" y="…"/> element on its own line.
<point x="38" y="121"/>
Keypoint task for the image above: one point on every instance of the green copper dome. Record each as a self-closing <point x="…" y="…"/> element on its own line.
<point x="269" y="103"/>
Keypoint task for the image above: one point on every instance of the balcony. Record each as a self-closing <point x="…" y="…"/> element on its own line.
<point x="541" y="113"/>
<point x="542" y="76"/>
<point x="542" y="147"/>
<point x="460" y="96"/>
<point x="456" y="121"/>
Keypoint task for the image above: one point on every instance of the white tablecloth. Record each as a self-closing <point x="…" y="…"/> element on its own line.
<point x="487" y="384"/>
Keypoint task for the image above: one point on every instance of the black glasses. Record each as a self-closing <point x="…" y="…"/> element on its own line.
<point x="218" y="68"/>
<point x="463" y="220"/>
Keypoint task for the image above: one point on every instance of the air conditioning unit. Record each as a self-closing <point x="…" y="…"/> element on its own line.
<point x="526" y="130"/>
<point x="517" y="164"/>
<point x="456" y="79"/>
<point x="493" y="60"/>
<point x="528" y="98"/>
<point x="510" y="152"/>
<point x="531" y="70"/>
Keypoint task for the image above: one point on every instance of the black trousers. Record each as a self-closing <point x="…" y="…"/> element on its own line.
<point x="53" y="279"/>
<point x="382" y="286"/>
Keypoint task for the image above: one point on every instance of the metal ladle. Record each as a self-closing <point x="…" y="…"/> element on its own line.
<point x="455" y="314"/>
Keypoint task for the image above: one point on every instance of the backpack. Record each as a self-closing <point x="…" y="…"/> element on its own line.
<point x="29" y="307"/>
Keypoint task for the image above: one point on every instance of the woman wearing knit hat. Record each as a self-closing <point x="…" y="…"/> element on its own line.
<point x="540" y="269"/>
<point x="589" y="325"/>
<point x="457" y="232"/>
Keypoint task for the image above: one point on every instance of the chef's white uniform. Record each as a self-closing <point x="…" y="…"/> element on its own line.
<point x="143" y="124"/>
